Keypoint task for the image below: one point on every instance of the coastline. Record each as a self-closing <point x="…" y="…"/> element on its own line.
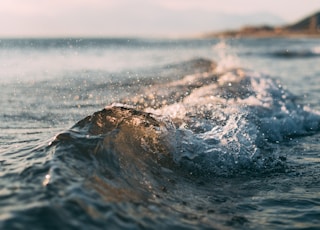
<point x="308" y="27"/>
<point x="276" y="33"/>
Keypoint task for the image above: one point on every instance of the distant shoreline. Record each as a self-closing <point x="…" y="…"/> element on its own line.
<point x="308" y="27"/>
<point x="260" y="32"/>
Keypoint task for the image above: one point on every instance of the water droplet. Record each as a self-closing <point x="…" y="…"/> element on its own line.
<point x="46" y="180"/>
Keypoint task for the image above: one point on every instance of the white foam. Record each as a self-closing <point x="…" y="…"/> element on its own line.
<point x="232" y="121"/>
<point x="226" y="56"/>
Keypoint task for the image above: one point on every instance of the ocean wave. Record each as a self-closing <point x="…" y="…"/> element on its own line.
<point x="177" y="154"/>
<point x="171" y="142"/>
<point x="206" y="123"/>
<point x="312" y="53"/>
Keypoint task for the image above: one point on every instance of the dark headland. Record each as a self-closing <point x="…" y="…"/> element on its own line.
<point x="306" y="27"/>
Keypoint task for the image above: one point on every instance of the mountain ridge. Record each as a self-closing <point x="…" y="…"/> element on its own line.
<point x="307" y="26"/>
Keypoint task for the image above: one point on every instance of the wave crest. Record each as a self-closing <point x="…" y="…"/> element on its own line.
<point x="206" y="123"/>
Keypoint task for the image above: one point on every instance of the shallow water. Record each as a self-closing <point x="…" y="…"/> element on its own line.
<point x="209" y="134"/>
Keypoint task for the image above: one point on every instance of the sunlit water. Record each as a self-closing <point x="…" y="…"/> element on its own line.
<point x="197" y="134"/>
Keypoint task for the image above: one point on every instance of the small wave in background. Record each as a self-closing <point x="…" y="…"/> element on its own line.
<point x="312" y="53"/>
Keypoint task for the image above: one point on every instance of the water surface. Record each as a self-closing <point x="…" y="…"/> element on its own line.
<point x="197" y="134"/>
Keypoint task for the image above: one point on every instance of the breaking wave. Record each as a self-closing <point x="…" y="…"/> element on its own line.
<point x="146" y="157"/>
<point x="205" y="124"/>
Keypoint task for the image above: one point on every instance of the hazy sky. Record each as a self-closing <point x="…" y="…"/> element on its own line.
<point x="142" y="17"/>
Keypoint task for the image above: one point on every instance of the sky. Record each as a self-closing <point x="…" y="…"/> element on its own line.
<point x="58" y="18"/>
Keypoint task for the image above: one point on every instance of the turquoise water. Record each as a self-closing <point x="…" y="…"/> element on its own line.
<point x="198" y="134"/>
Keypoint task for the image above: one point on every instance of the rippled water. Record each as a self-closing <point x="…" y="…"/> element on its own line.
<point x="160" y="134"/>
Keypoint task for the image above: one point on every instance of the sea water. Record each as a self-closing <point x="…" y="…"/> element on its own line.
<point x="160" y="133"/>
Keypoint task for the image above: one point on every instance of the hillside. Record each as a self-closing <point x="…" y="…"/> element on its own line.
<point x="308" y="26"/>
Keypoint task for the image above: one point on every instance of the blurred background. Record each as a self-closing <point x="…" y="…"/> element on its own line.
<point x="114" y="18"/>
